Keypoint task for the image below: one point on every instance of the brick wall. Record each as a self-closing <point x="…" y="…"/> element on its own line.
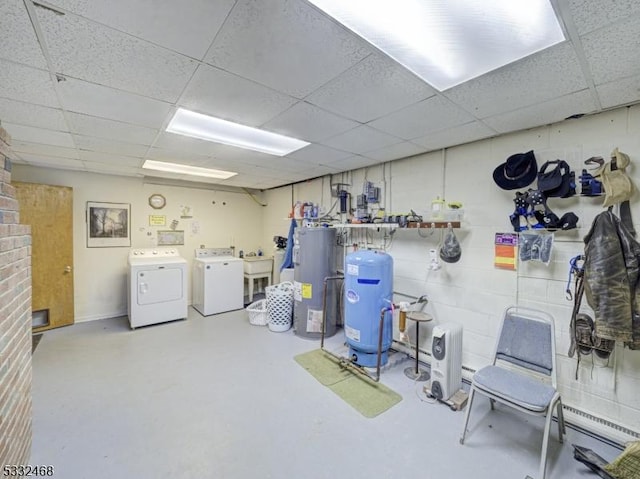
<point x="15" y="321"/>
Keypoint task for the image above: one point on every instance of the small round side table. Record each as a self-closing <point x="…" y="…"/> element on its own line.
<point x="414" y="372"/>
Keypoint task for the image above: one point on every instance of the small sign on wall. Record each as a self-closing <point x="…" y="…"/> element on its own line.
<point x="506" y="250"/>
<point x="170" y="237"/>
<point x="157" y="220"/>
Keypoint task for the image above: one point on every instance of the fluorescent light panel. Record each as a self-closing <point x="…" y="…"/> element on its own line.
<point x="205" y="127"/>
<point x="187" y="170"/>
<point x="447" y="42"/>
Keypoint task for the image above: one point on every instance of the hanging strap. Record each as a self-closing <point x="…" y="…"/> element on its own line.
<point x="625" y="217"/>
<point x="595" y="160"/>
<point x="578" y="271"/>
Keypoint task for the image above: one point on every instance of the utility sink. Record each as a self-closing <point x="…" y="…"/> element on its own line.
<point x="257" y="264"/>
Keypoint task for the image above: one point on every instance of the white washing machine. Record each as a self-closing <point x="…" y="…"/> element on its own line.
<point x="157" y="284"/>
<point x="218" y="281"/>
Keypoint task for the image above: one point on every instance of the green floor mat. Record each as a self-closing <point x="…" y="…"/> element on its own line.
<point x="323" y="367"/>
<point x="367" y="397"/>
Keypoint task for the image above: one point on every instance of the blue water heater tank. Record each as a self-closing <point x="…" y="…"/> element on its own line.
<point x="368" y="289"/>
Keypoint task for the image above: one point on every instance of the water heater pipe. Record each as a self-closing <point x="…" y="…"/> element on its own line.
<point x="347" y="362"/>
<point x="383" y="311"/>
<point x="324" y="305"/>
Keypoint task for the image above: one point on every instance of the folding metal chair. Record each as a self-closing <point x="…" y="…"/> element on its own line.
<point x="523" y="372"/>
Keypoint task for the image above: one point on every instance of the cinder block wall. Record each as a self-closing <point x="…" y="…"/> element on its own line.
<point x="606" y="396"/>
<point x="15" y="321"/>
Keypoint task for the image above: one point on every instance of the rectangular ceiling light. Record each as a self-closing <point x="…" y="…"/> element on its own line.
<point x="447" y="42"/>
<point x="187" y="170"/>
<point x="205" y="127"/>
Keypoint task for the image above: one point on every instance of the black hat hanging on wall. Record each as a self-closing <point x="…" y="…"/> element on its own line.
<point x="517" y="172"/>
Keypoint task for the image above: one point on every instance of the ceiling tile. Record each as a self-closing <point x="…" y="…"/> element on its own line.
<point x="455" y="136"/>
<point x="614" y="53"/>
<point x="543" y="113"/>
<point x="46" y="150"/>
<point x="226" y="164"/>
<point x="361" y="139"/>
<point x="191" y="151"/>
<point x="353" y="163"/>
<point x="173" y="141"/>
<point x="90" y="51"/>
<point x="322" y="170"/>
<point x="102" y="145"/>
<point x="111" y="130"/>
<point x="175" y="176"/>
<point x="374" y="87"/>
<point x="548" y="74"/>
<point x="176" y="156"/>
<point x="433" y="114"/>
<point x="187" y="26"/>
<point x="619" y="92"/>
<point x="308" y="122"/>
<point x="268" y="172"/>
<point x="395" y="152"/>
<point x="119" y="170"/>
<point x="284" y="44"/>
<point x="318" y="154"/>
<point x="31" y="115"/>
<point x="22" y="83"/>
<point x="289" y="165"/>
<point x="589" y="15"/>
<point x="96" y="100"/>
<point x="247" y="181"/>
<point x="221" y="94"/>
<point x="39" y="135"/>
<point x="109" y="159"/>
<point x="52" y="161"/>
<point x="18" y="40"/>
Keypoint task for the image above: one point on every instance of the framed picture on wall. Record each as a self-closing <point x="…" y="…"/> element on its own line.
<point x="108" y="224"/>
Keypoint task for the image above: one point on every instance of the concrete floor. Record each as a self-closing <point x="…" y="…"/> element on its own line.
<point x="219" y="398"/>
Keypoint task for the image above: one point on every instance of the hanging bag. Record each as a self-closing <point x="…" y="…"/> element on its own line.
<point x="556" y="179"/>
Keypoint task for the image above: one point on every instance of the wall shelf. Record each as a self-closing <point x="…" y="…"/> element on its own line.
<point x="440" y="224"/>
<point x="411" y="225"/>
<point x="435" y="224"/>
<point x="367" y="225"/>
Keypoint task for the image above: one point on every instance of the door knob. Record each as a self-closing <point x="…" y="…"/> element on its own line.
<point x="67" y="269"/>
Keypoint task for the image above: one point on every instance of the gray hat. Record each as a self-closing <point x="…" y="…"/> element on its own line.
<point x="450" y="250"/>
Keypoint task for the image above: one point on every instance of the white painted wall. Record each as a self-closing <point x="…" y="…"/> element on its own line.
<point x="220" y="219"/>
<point x="473" y="292"/>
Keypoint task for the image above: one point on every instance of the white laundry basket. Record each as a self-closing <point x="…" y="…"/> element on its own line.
<point x="280" y="306"/>
<point x="258" y="313"/>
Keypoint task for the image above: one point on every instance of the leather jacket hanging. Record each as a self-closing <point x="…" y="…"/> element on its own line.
<point x="611" y="279"/>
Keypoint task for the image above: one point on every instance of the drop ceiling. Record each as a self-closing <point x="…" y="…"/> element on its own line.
<point x="91" y="85"/>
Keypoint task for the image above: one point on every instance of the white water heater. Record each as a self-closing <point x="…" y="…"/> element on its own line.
<point x="446" y="365"/>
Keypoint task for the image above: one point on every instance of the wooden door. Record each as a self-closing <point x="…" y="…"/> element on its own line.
<point x="49" y="211"/>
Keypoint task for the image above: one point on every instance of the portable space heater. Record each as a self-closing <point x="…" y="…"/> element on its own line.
<point x="446" y="366"/>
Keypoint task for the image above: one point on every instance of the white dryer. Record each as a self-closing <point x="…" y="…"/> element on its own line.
<point x="218" y="281"/>
<point x="157" y="285"/>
